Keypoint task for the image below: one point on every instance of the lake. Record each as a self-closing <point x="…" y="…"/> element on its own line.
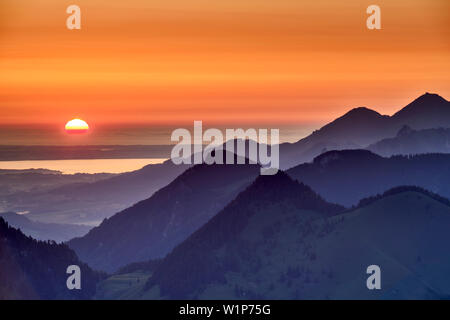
<point x="82" y="166"/>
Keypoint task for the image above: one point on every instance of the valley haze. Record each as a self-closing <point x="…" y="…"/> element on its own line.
<point x="239" y="234"/>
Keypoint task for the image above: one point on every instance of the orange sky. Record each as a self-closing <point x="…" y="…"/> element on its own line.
<point x="233" y="61"/>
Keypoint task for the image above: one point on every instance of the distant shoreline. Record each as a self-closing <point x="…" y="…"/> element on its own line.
<point x="83" y="152"/>
<point x="89" y="166"/>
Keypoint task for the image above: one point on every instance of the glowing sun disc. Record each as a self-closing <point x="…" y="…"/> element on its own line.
<point x="77" y="126"/>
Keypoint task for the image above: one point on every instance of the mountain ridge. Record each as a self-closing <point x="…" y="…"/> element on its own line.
<point x="360" y="127"/>
<point x="410" y="141"/>
<point x="347" y="176"/>
<point x="280" y="190"/>
<point x="154" y="226"/>
<point x="302" y="255"/>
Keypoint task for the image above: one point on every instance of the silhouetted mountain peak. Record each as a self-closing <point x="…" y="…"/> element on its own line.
<point x="428" y="103"/>
<point x="235" y="259"/>
<point x="366" y="122"/>
<point x="281" y="188"/>
<point x="361" y="127"/>
<point x="153" y="227"/>
<point x="279" y="180"/>
<point x="430" y="97"/>
<point x="273" y="187"/>
<point x="356" y="116"/>
<point x="268" y="198"/>
<point x="362" y="112"/>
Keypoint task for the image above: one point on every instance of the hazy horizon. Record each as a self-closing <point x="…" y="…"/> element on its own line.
<point x="122" y="134"/>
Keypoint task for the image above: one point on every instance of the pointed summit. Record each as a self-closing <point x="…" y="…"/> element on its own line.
<point x="365" y="121"/>
<point x="153" y="227"/>
<point x="427" y="99"/>
<point x="430" y="97"/>
<point x="361" y="112"/>
<point x="256" y="213"/>
<point x="427" y="111"/>
<point x="356" y="115"/>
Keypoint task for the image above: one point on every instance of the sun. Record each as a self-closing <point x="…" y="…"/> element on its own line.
<point x="77" y="126"/>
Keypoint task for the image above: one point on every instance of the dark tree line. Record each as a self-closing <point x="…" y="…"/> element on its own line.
<point x="31" y="269"/>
